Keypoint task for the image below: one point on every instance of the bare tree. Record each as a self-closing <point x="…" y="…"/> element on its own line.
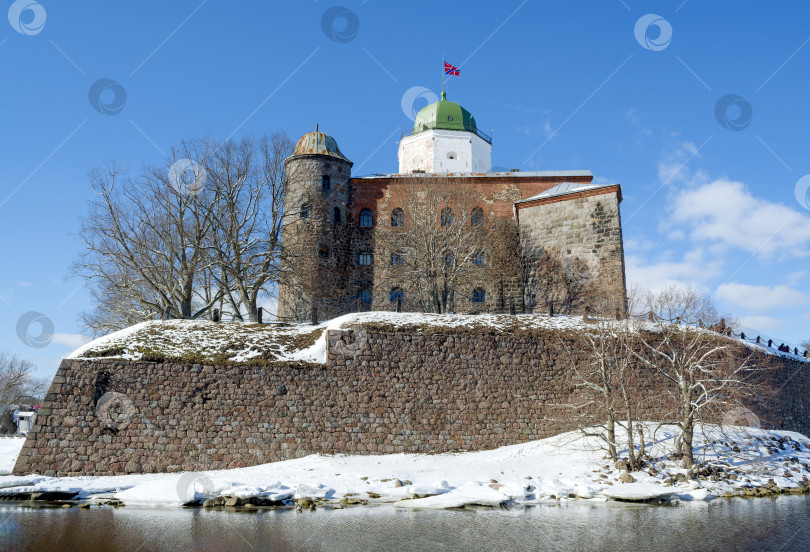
<point x="202" y="230"/>
<point x="18" y="382"/>
<point x="806" y="344"/>
<point x="145" y="236"/>
<point x="435" y="239"/>
<point x="705" y="377"/>
<point x="562" y="282"/>
<point x="249" y="184"/>
<point x="602" y="370"/>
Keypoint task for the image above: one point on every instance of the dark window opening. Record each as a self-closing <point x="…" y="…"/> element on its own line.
<point x="323" y="251"/>
<point x="477" y="217"/>
<point x="337" y="216"/>
<point x="397" y="259"/>
<point x="447" y="216"/>
<point x="479" y="295"/>
<point x="366" y="218"/>
<point x="449" y="259"/>
<point x="478" y="258"/>
<point x="365" y="259"/>
<point x="304" y="212"/>
<point x="396" y="293"/>
<point x="364" y="299"/>
<point x="397" y="217"/>
<point x="326" y="183"/>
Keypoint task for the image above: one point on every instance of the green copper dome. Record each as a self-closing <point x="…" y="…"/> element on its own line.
<point x="445" y="115"/>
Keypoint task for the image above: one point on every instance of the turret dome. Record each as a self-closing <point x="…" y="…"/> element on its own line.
<point x="444" y="115"/>
<point x="318" y="143"/>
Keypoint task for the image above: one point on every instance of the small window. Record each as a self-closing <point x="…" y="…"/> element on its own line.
<point x="337" y="216"/>
<point x="365" y="259"/>
<point x="449" y="259"/>
<point x="326" y="183"/>
<point x="397" y="217"/>
<point x="397" y="259"/>
<point x="366" y="218"/>
<point x="478" y="258"/>
<point x="447" y="216"/>
<point x="396" y="293"/>
<point x="479" y="295"/>
<point x="323" y="251"/>
<point x="451" y="155"/>
<point x="450" y="118"/>
<point x="304" y="212"/>
<point x="364" y="299"/>
<point x="477" y="217"/>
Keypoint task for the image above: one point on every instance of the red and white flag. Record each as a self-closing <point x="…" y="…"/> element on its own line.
<point x="451" y="70"/>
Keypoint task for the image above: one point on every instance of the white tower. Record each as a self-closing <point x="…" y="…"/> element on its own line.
<point x="445" y="139"/>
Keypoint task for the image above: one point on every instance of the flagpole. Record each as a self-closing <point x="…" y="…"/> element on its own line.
<point x="443" y="74"/>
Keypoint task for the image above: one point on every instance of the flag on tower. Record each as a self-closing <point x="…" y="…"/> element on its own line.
<point x="451" y="70"/>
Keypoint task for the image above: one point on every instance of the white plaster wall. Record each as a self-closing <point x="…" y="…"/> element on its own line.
<point x="430" y="151"/>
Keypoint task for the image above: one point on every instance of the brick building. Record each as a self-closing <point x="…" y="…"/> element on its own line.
<point x="342" y="230"/>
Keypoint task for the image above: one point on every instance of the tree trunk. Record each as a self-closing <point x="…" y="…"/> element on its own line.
<point x="611" y="433"/>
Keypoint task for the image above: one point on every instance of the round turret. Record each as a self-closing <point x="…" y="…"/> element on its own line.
<point x="318" y="208"/>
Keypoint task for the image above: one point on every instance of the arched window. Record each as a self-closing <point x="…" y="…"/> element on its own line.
<point x="364" y="299"/>
<point x="479" y="258"/>
<point x="447" y="216"/>
<point x="366" y="218"/>
<point x="479" y="295"/>
<point x="397" y="217"/>
<point x="397" y="259"/>
<point x="477" y="217"/>
<point x="365" y="258"/>
<point x="396" y="293"/>
<point x="451" y="155"/>
<point x="337" y="216"/>
<point x="304" y="212"/>
<point x="326" y="183"/>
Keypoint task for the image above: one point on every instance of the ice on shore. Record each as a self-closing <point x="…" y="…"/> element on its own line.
<point x="568" y="466"/>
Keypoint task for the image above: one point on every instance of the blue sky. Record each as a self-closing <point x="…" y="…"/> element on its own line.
<point x="711" y="200"/>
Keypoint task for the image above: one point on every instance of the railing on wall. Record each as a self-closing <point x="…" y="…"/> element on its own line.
<point x="745" y="334"/>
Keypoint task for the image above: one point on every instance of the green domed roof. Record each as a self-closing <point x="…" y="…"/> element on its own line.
<point x="445" y="115"/>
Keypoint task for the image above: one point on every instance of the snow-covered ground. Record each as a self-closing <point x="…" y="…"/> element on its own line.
<point x="565" y="467"/>
<point x="9" y="450"/>
<point x="238" y="342"/>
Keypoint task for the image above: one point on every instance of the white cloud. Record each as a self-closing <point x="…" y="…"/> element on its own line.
<point x="693" y="269"/>
<point x="766" y="324"/>
<point x="725" y="213"/>
<point x="73" y="341"/>
<point x="672" y="168"/>
<point x="795" y="277"/>
<point x="761" y="298"/>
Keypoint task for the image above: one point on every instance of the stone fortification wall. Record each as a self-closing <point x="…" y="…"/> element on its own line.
<point x="381" y="391"/>
<point x="584" y="230"/>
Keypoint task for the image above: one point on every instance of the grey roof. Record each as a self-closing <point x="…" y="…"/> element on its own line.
<point x="564" y="189"/>
<point x="537" y="174"/>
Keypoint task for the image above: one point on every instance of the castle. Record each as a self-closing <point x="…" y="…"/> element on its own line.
<point x="347" y="232"/>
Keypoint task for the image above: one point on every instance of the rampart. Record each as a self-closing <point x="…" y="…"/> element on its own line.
<point x="380" y="391"/>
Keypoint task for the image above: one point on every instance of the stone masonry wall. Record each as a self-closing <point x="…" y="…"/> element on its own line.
<point x="379" y="392"/>
<point x="583" y="226"/>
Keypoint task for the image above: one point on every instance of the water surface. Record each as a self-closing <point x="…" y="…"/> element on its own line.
<point x="760" y="524"/>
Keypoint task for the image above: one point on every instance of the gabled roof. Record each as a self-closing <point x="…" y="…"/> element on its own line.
<point x="564" y="189"/>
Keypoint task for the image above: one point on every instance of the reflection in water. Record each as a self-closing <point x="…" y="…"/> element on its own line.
<point x="760" y="524"/>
